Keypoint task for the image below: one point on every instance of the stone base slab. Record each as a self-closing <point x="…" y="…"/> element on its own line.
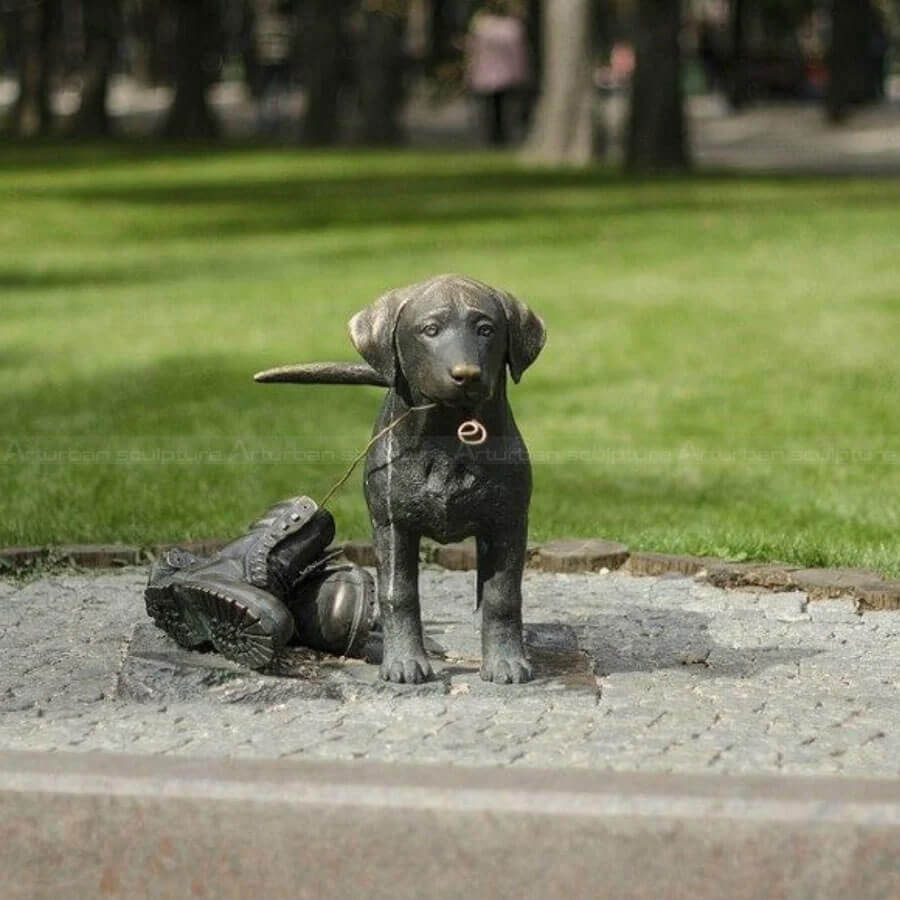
<point x="89" y="825"/>
<point x="155" y="669"/>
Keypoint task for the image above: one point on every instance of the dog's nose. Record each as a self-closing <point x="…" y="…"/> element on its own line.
<point x="465" y="373"/>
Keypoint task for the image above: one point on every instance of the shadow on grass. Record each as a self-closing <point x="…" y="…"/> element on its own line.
<point x="11" y="356"/>
<point x="83" y="275"/>
<point x="373" y="190"/>
<point x="53" y="154"/>
<point x="182" y="397"/>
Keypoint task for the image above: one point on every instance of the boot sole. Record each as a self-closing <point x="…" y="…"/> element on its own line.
<point x="198" y="613"/>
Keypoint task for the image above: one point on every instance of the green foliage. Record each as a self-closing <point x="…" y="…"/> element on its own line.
<point x="721" y="375"/>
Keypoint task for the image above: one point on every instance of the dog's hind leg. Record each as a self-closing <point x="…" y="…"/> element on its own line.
<point x="501" y="560"/>
<point x="404" y="658"/>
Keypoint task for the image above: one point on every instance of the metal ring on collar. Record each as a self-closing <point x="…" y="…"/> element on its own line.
<point x="472" y="432"/>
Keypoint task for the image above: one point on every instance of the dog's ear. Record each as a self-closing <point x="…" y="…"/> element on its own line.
<point x="372" y="332"/>
<point x="525" y="334"/>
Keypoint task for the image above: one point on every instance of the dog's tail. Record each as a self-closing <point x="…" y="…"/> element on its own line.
<point x="324" y="373"/>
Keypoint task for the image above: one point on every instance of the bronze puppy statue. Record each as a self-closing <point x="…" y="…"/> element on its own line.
<point x="451" y="463"/>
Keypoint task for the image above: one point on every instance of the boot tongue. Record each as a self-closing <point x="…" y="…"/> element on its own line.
<point x="298" y="550"/>
<point x="293" y="517"/>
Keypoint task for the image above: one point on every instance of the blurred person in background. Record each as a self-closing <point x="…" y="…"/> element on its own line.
<point x="270" y="64"/>
<point x="497" y="63"/>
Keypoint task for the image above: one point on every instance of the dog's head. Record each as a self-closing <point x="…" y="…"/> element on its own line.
<point x="448" y="339"/>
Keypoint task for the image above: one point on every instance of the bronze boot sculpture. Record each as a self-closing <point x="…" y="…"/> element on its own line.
<point x="334" y="610"/>
<point x="242" y="598"/>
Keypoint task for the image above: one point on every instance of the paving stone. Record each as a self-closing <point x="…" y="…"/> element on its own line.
<point x="772" y="576"/>
<point x="575" y="555"/>
<point x="457" y="557"/>
<point x="842" y="610"/>
<point x="96" y="556"/>
<point x="362" y="553"/>
<point x="643" y="563"/>
<point x="785" y="606"/>
<point x="16" y="558"/>
<point x="878" y="595"/>
<point x="199" y="548"/>
<point x="828" y="583"/>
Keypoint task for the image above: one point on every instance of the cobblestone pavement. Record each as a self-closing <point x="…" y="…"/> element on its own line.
<point x="665" y="674"/>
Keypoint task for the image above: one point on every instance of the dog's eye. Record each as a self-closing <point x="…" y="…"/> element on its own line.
<point x="485" y="329"/>
<point x="431" y="329"/>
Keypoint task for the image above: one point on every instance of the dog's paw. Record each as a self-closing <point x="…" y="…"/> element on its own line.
<point x="410" y="670"/>
<point x="506" y="670"/>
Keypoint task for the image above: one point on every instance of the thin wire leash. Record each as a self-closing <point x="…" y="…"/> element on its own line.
<point x="341" y="481"/>
<point x="470" y="432"/>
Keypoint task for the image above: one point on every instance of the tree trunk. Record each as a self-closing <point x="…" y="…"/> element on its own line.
<point x="381" y="65"/>
<point x="32" y="115"/>
<point x="190" y="116"/>
<point x="562" y="130"/>
<point x="657" y="138"/>
<point x="534" y="24"/>
<point x="853" y="29"/>
<point x="737" y="87"/>
<point x="440" y="35"/>
<point x="324" y="51"/>
<point x="101" y="32"/>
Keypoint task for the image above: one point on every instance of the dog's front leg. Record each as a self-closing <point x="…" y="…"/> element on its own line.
<point x="501" y="560"/>
<point x="404" y="657"/>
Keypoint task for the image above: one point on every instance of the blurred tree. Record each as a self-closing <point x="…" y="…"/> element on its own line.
<point x="447" y="21"/>
<point x="381" y="64"/>
<point x="101" y="35"/>
<point x="32" y="114"/>
<point x="562" y="126"/>
<point x="442" y="28"/>
<point x="766" y="58"/>
<point x="856" y="56"/>
<point x="323" y="47"/>
<point x="150" y="28"/>
<point x="534" y="19"/>
<point x="657" y="134"/>
<point x="197" y="45"/>
<point x="737" y="87"/>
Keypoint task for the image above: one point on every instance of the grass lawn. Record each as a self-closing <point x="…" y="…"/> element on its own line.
<point x="721" y="375"/>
